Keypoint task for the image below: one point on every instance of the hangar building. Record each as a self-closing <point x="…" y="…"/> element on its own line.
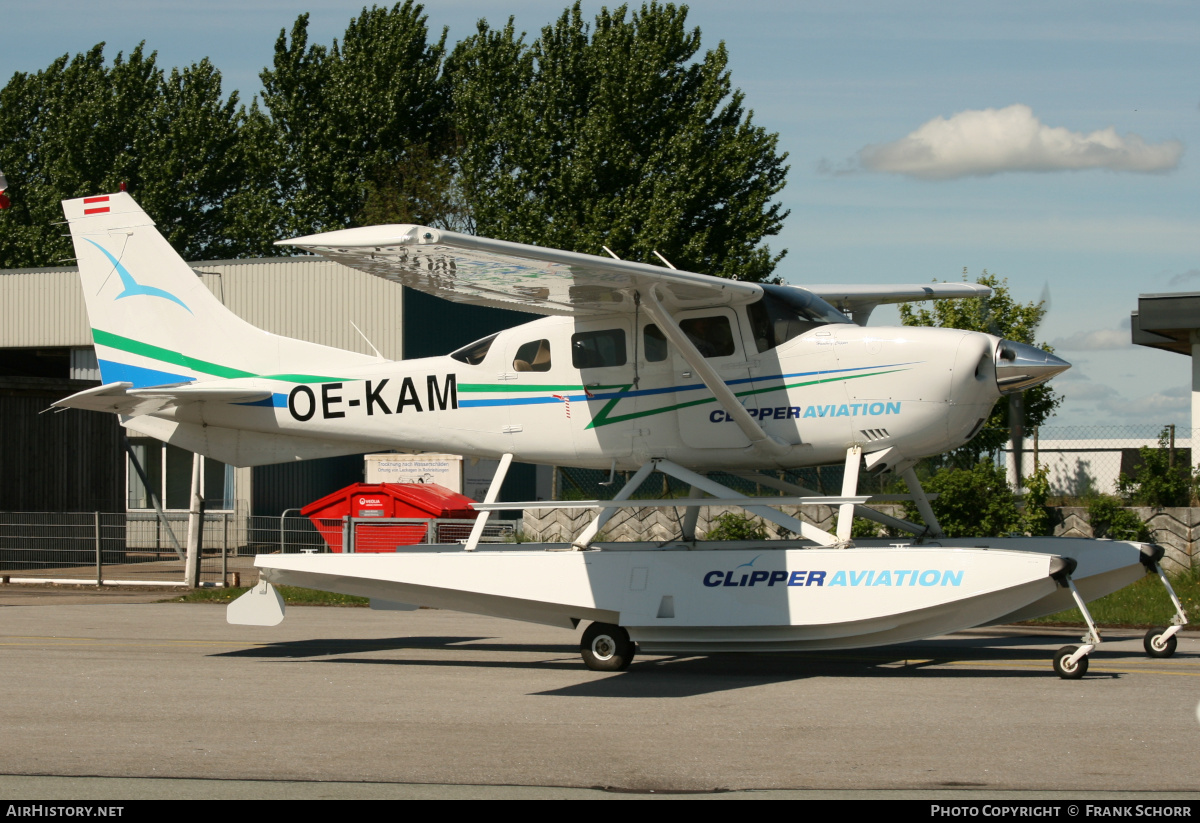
<point x="77" y="460"/>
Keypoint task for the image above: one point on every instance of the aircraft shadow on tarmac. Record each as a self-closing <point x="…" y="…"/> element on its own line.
<point x="325" y="647"/>
<point x="686" y="675"/>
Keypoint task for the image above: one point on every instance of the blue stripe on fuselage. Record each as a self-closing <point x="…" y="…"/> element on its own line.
<point x="534" y="401"/>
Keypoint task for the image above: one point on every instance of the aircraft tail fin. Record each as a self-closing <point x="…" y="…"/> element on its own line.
<point x="153" y="320"/>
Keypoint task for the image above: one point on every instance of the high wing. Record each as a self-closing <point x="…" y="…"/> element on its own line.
<point x="859" y="301"/>
<point x="478" y="270"/>
<point x="469" y="269"/>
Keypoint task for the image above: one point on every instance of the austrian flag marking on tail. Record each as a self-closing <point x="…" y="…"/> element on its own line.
<point x="90" y="201"/>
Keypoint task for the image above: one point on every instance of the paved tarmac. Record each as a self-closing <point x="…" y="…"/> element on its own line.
<point x="106" y="698"/>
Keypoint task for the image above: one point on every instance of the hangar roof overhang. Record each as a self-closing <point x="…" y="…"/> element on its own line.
<point x="1166" y="321"/>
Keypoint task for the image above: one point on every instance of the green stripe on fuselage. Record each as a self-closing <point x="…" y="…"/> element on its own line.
<point x="126" y="344"/>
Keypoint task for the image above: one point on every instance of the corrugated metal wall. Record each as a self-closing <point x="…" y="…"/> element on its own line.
<point x="311" y="299"/>
<point x="42" y="307"/>
<point x="308" y="298"/>
<point x="51" y="462"/>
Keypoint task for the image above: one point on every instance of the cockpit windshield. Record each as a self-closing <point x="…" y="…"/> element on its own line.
<point x="785" y="312"/>
<point x="473" y="354"/>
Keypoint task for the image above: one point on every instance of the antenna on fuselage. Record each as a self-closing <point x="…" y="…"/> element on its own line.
<point x="369" y="343"/>
<point x="611" y="253"/>
<point x="665" y="260"/>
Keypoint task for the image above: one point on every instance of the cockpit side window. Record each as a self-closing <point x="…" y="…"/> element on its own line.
<point x="474" y="354"/>
<point x="597" y="349"/>
<point x="533" y="356"/>
<point x="785" y="312"/>
<point x="712" y="336"/>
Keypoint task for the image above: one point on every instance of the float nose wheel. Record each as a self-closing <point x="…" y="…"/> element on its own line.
<point x="606" y="648"/>
<point x="1069" y="664"/>
<point x="1161" y="642"/>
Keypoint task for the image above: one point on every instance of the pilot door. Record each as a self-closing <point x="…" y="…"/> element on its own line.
<point x="702" y="422"/>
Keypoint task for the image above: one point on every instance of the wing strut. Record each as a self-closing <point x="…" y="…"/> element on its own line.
<point x="762" y="442"/>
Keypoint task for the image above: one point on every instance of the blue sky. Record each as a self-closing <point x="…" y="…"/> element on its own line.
<point x="1052" y="144"/>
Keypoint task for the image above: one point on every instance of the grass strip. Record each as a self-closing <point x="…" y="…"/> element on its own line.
<point x="292" y="596"/>
<point x="1141" y="605"/>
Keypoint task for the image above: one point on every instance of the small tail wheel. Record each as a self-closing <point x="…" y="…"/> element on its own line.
<point x="1156" y="645"/>
<point x="1067" y="670"/>
<point x="606" y="648"/>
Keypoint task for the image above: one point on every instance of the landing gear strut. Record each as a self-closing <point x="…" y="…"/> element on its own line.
<point x="1071" y="662"/>
<point x="1161" y="641"/>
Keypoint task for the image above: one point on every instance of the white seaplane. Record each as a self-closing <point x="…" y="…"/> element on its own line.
<point x="637" y="368"/>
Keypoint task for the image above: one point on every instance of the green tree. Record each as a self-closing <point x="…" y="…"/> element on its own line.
<point x="1109" y="519"/>
<point x="734" y="526"/>
<point x="356" y="120"/>
<point x="617" y="133"/>
<point x="1037" y="518"/>
<point x="973" y="502"/>
<point x="82" y="127"/>
<point x="1003" y="316"/>
<point x="1155" y="481"/>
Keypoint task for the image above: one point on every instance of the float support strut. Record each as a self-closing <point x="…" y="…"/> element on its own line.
<point x="849" y="489"/>
<point x="914" y="488"/>
<point x="690" y="516"/>
<point x="492" y="493"/>
<point x="589" y="534"/>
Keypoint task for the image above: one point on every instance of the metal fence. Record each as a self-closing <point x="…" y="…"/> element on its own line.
<point x="1085" y="461"/>
<point x="141" y="548"/>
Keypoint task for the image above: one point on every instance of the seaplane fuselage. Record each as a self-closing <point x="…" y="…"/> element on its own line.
<point x="583" y="392"/>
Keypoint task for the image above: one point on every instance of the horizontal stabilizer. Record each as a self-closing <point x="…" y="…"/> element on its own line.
<point x="122" y="398"/>
<point x="192" y="393"/>
<point x="113" y="398"/>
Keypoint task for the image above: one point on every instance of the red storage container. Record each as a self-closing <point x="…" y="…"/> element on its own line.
<point x="419" y="501"/>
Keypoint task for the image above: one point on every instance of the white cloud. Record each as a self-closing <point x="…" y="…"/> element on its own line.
<point x="1080" y="390"/>
<point x="1186" y="278"/>
<point x="991" y="141"/>
<point x="1118" y="338"/>
<point x="1167" y="406"/>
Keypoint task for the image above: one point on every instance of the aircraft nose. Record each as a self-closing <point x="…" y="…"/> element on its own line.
<point x="1020" y="366"/>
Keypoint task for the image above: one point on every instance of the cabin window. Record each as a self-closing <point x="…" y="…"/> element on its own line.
<point x="473" y="354"/>
<point x="597" y="349"/>
<point x="785" y="312"/>
<point x="533" y="356"/>
<point x="654" y="344"/>
<point x="712" y="335"/>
